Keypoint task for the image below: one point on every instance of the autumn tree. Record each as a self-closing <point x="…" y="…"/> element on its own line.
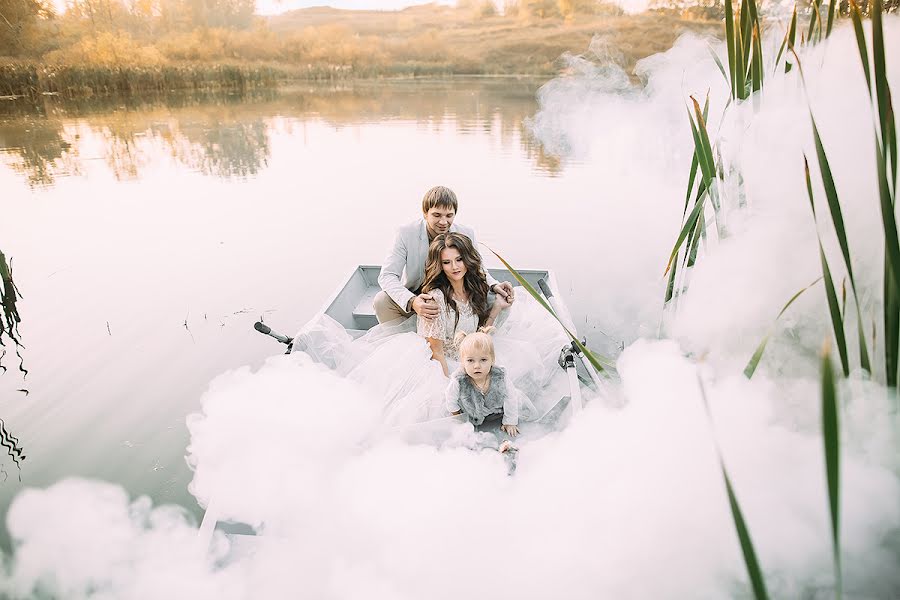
<point x="19" y="20"/>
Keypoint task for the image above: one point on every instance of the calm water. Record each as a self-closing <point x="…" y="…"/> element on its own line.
<point x="147" y="236"/>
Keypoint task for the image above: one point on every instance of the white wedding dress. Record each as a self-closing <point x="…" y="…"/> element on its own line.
<point x="393" y="360"/>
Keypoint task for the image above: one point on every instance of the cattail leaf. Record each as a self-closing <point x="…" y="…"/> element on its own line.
<point x="690" y="256"/>
<point x="834" y="308"/>
<point x="880" y="70"/>
<point x="690" y="187"/>
<point x="685" y="230"/>
<point x="730" y="46"/>
<point x="750" y="369"/>
<point x="792" y="37"/>
<point x="891" y="242"/>
<point x="740" y="66"/>
<point x="891" y="326"/>
<point x="746" y="33"/>
<point x="756" y="66"/>
<point x="831" y="437"/>
<point x="757" y="581"/>
<point x="814" y="10"/>
<point x="837" y="219"/>
<point x="670" y="284"/>
<point x="856" y="17"/>
<point x="831" y="12"/>
<point x="752" y="563"/>
<point x="718" y="62"/>
<point x="706" y="147"/>
<point x="599" y="362"/>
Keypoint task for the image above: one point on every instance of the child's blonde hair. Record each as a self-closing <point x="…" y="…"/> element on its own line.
<point x="480" y="340"/>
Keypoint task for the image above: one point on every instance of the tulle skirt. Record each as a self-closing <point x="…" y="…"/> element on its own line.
<point x="395" y="364"/>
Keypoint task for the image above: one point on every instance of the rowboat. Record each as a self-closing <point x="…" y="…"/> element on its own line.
<point x="352" y="307"/>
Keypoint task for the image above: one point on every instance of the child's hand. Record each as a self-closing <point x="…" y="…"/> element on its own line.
<point x="510" y="430"/>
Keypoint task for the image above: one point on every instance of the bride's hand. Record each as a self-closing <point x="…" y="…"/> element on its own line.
<point x="501" y="303"/>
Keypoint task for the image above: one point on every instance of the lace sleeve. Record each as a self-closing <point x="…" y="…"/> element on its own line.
<point x="435" y="328"/>
<point x="451" y="396"/>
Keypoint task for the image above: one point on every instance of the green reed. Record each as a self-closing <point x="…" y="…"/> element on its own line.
<point x="80" y="80"/>
<point x="601" y="363"/>
<point x="744" y="49"/>
<point x="831" y="440"/>
<point x="886" y="163"/>
<point x="754" y="571"/>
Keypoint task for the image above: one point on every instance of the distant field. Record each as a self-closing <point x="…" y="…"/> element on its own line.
<point x="73" y="55"/>
<point x="450" y="38"/>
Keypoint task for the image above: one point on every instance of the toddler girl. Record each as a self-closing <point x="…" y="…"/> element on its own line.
<point x="481" y="389"/>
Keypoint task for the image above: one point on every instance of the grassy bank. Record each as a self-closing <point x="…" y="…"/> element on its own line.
<point x="30" y="80"/>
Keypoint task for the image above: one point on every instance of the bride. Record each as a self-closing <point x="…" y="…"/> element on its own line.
<point x="457" y="283"/>
<point x="407" y="362"/>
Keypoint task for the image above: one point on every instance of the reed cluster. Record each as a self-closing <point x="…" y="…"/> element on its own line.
<point x="745" y="75"/>
<point x="18" y="79"/>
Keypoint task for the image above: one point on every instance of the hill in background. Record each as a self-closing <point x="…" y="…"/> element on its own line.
<point x="103" y="46"/>
<point x="475" y="40"/>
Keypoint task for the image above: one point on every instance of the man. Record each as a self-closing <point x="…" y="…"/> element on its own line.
<point x="403" y="270"/>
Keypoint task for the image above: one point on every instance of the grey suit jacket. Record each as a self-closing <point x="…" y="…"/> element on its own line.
<point x="404" y="268"/>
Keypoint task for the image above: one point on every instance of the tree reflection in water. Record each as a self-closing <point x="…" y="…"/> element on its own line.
<point x="9" y="335"/>
<point x="228" y="136"/>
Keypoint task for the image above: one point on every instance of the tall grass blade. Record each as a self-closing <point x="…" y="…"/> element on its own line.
<point x="750" y="369"/>
<point x="814" y="10"/>
<point x="740" y="65"/>
<point x="831" y="436"/>
<point x="756" y="65"/>
<point x="694" y="244"/>
<point x="718" y="63"/>
<point x="693" y="176"/>
<point x="885" y="108"/>
<point x="686" y="229"/>
<point x="891" y="327"/>
<point x="599" y="362"/>
<point x="891" y="241"/>
<point x="834" y="308"/>
<point x="706" y="147"/>
<point x="705" y="160"/>
<point x="831" y="11"/>
<point x="757" y="581"/>
<point x="731" y="47"/>
<point x="754" y="13"/>
<point x="746" y="34"/>
<point x="670" y="284"/>
<point x="792" y="37"/>
<point x="788" y="42"/>
<point x="837" y="218"/>
<point x="856" y="17"/>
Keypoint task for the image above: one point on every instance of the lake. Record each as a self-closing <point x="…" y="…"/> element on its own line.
<point x="147" y="236"/>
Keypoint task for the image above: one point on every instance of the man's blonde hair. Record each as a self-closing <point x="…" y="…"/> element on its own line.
<point x="439" y="196"/>
<point x="480" y="340"/>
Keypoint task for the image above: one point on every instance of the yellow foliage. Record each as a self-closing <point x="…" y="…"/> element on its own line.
<point x="107" y="49"/>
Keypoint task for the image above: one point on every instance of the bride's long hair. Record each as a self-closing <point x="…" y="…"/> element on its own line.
<point x="474" y="282"/>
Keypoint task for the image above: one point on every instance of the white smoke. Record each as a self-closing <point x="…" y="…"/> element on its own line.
<point x="589" y="512"/>
<point x="626" y="503"/>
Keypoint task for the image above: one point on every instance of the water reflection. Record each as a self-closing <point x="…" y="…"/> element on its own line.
<point x="9" y="336"/>
<point x="229" y="136"/>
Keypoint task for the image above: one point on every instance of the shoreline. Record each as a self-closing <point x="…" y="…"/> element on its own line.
<point x="35" y="81"/>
